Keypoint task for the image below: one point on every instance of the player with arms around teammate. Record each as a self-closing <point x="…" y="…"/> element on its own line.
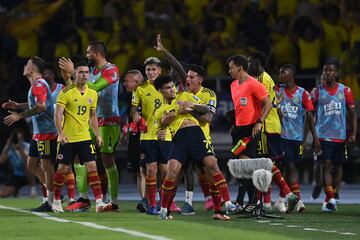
<point x="76" y="105"/>
<point x="333" y="101"/>
<point x="40" y="108"/>
<point x="175" y="114"/>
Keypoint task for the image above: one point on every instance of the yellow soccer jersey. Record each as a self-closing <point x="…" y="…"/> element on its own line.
<point x="174" y="107"/>
<point x="77" y="112"/>
<point x="208" y="97"/>
<point x="272" y="122"/>
<point x="149" y="99"/>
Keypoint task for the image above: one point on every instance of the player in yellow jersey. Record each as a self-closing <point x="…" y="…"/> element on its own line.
<point x="270" y="143"/>
<point x="153" y="153"/>
<point x="178" y="114"/>
<point x="75" y="109"/>
<point x="192" y="82"/>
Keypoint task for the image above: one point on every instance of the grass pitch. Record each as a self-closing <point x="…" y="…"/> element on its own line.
<point x="129" y="224"/>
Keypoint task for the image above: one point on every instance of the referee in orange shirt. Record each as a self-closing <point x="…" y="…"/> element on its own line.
<point x="252" y="105"/>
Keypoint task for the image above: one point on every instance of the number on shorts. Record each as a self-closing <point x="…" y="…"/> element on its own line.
<point x="92" y="148"/>
<point x="41" y="146"/>
<point x="209" y="147"/>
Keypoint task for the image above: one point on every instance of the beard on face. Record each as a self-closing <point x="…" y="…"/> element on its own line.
<point x="91" y="62"/>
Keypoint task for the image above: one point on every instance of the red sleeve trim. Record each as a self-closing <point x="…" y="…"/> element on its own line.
<point x="111" y="75"/>
<point x="39" y="91"/>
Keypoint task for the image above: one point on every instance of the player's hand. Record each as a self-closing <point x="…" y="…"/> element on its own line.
<point x="99" y="141"/>
<point x="136" y="117"/>
<point x="62" y="139"/>
<point x="168" y="117"/>
<point x="10" y="105"/>
<point x="12" y="118"/>
<point x="316" y="145"/>
<point x="159" y="45"/>
<point x="67" y="65"/>
<point x="161" y="134"/>
<point x="185" y="106"/>
<point x="256" y="129"/>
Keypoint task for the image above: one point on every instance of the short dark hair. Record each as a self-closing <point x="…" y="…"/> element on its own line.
<point x="259" y="56"/>
<point x="291" y="67"/>
<point x="49" y="66"/>
<point x="161" y="80"/>
<point x="238" y="60"/>
<point x="332" y="61"/>
<point x="98" y="46"/>
<point x="81" y="64"/>
<point x="197" y="68"/>
<point x="152" y="60"/>
<point x="39" y="63"/>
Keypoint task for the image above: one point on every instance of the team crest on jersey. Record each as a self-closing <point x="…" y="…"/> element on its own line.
<point x="340" y="96"/>
<point x="60" y="156"/>
<point x="90" y="101"/>
<point x="211" y="102"/>
<point x="243" y="101"/>
<point x="142" y="156"/>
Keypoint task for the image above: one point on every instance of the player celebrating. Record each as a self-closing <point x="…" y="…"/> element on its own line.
<point x="104" y="78"/>
<point x="193" y="81"/>
<point x="155" y="152"/>
<point x="175" y="114"/>
<point x="76" y="106"/>
<point x="41" y="109"/>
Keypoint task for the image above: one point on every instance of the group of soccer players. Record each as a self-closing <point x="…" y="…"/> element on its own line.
<point x="78" y="129"/>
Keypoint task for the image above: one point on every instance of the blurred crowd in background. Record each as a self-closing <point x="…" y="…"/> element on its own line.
<point x="206" y="32"/>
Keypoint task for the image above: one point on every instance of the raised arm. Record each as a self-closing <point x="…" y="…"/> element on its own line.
<point x="175" y="64"/>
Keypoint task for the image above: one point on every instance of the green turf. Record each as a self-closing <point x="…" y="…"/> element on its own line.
<point x="15" y="225"/>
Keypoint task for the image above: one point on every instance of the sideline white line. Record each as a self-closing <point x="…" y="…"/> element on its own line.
<point x="89" y="224"/>
<point x="307" y="228"/>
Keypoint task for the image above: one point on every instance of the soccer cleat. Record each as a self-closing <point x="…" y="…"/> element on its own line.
<point x="114" y="207"/>
<point x="81" y="205"/>
<point x="142" y="205"/>
<point x="187" y="209"/>
<point x="102" y="207"/>
<point x="324" y="208"/>
<point x="249" y="208"/>
<point x="331" y="204"/>
<point x="221" y="216"/>
<point x="163" y="214"/>
<point x="316" y="192"/>
<point x="152" y="210"/>
<point x="174" y="207"/>
<point x="45" y="207"/>
<point x="267" y="206"/>
<point x="280" y="205"/>
<point x="292" y="200"/>
<point x="56" y="207"/>
<point x="231" y="208"/>
<point x="209" y="204"/>
<point x="300" y="207"/>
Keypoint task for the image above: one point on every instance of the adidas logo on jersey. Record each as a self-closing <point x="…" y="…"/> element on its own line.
<point x="75" y="100"/>
<point x="148" y="94"/>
